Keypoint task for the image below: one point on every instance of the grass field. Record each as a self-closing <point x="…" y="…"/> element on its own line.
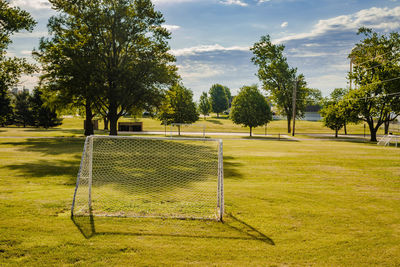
<point x="311" y="202"/>
<point x="74" y="127"/>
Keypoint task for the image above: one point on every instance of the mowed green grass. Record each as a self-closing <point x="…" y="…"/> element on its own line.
<point x="73" y="127"/>
<point x="291" y="203"/>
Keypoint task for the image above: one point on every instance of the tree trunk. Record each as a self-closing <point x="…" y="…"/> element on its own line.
<point x="179" y="130"/>
<point x="387" y="125"/>
<point x="345" y="129"/>
<point x="372" y="131"/>
<point x="336" y="133"/>
<point x="89" y="117"/>
<point x="113" y="117"/>
<point x="217" y="115"/>
<point x="251" y="134"/>
<point x="105" y="120"/>
<point x="289" y="120"/>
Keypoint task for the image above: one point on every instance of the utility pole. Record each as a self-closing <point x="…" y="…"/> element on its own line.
<point x="294" y="106"/>
<point x="351" y="70"/>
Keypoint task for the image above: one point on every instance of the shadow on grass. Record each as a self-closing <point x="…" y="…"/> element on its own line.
<point x="214" y="121"/>
<point x="46" y="169"/>
<point x="343" y="138"/>
<point x="86" y="225"/>
<point x="51" y="146"/>
<point x="231" y="168"/>
<point x="49" y="130"/>
<point x="269" y="138"/>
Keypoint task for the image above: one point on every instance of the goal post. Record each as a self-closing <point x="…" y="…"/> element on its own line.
<point x="127" y="176"/>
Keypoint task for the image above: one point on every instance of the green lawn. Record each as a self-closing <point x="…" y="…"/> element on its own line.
<point x="287" y="203"/>
<point x="74" y="127"/>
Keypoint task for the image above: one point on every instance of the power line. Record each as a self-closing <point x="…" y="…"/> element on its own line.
<point x="380" y="64"/>
<point x="375" y="57"/>
<point x="369" y="97"/>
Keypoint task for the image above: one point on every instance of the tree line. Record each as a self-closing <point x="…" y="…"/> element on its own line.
<point x="111" y="58"/>
<point x="24" y="109"/>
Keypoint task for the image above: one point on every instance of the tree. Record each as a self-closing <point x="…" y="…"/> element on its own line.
<point x="23" y="113"/>
<point x="349" y="116"/>
<point x="69" y="65"/>
<point x="125" y="59"/>
<point x="333" y="117"/>
<point x="250" y="108"/>
<point x="178" y="107"/>
<point x="218" y="98"/>
<point x="6" y="111"/>
<point x="228" y="95"/>
<point x="376" y="100"/>
<point x="279" y="79"/>
<point x="204" y="105"/>
<point x="43" y="115"/>
<point x="12" y="20"/>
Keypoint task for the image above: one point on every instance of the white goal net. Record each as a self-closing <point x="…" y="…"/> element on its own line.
<point x="150" y="177"/>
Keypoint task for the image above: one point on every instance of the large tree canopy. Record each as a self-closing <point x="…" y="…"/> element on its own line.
<point x="12" y="20"/>
<point x="279" y="79"/>
<point x="125" y="59"/>
<point x="376" y="73"/>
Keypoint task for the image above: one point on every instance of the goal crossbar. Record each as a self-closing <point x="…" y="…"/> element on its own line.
<point x="160" y="177"/>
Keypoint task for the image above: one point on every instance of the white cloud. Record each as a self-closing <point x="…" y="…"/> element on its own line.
<point x="34" y="34"/>
<point x="284" y="24"/>
<point x="206" y="48"/>
<point x="234" y="2"/>
<point x="328" y="81"/>
<point x="377" y="18"/>
<point x="171" y="27"/>
<point x="263" y="1"/>
<point x="26" y="52"/>
<point x="197" y="70"/>
<point x="31" y="4"/>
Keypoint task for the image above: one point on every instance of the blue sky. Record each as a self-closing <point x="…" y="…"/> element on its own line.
<point x="211" y="38"/>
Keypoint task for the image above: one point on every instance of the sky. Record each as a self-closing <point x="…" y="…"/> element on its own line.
<point x="211" y="38"/>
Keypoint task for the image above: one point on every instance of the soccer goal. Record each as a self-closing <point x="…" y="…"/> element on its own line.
<point x="150" y="177"/>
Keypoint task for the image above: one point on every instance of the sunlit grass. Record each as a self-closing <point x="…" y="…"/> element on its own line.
<point x="73" y="127"/>
<point x="287" y="203"/>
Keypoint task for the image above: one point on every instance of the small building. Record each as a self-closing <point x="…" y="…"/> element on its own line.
<point x="130" y="126"/>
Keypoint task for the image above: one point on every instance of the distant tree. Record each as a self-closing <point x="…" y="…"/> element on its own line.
<point x="6" y="111"/>
<point x="314" y="97"/>
<point x="43" y="115"/>
<point x="204" y="105"/>
<point x="376" y="100"/>
<point x="228" y="95"/>
<point x="333" y="117"/>
<point x="178" y="106"/>
<point x="12" y="20"/>
<point x="349" y="116"/>
<point x="279" y="79"/>
<point x="218" y="98"/>
<point x="23" y="113"/>
<point x="250" y="108"/>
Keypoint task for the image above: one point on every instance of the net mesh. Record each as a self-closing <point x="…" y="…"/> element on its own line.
<point x="150" y="177"/>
